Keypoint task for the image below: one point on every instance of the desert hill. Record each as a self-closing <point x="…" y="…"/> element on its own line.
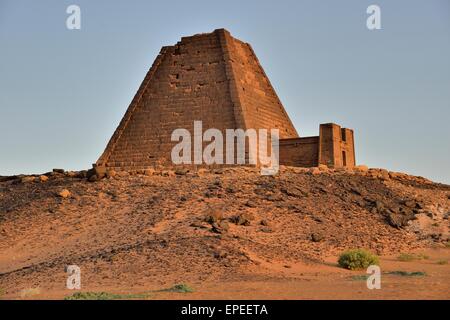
<point x="148" y="230"/>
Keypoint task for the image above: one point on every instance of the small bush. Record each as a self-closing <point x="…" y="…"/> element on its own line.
<point x="442" y="262"/>
<point x="406" y="257"/>
<point x="362" y="277"/>
<point x="29" y="292"/>
<point x="357" y="259"/>
<point x="408" y="274"/>
<point x="181" y="288"/>
<point x="104" y="296"/>
<point x="422" y="256"/>
<point x="91" y="296"/>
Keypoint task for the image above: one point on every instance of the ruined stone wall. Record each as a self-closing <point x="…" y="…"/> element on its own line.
<point x="328" y="134"/>
<point x="300" y="152"/>
<point x="347" y="146"/>
<point x="336" y="146"/>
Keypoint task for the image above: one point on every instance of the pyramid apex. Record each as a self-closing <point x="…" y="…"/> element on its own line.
<point x="221" y="30"/>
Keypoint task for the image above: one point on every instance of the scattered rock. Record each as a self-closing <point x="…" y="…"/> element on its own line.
<point x="91" y="175"/>
<point x="100" y="172"/>
<point x="398" y="220"/>
<point x="361" y="168"/>
<point x="293" y="192"/>
<point x="408" y="203"/>
<point x="360" y="203"/>
<point x="59" y="171"/>
<point x="358" y="191"/>
<point x="202" y="171"/>
<point x="111" y="173"/>
<point x="220" y="227"/>
<point x="273" y="197"/>
<point x="251" y="204"/>
<point x="93" y="178"/>
<point x="168" y="173"/>
<point x="198" y="225"/>
<point x="71" y="174"/>
<point x="379" y="174"/>
<point x="64" y="193"/>
<point x="181" y="172"/>
<point x="82" y="174"/>
<point x="384" y="174"/>
<point x="379" y="205"/>
<point x="220" y="254"/>
<point x="27" y="179"/>
<point x="300" y="170"/>
<point x="230" y="189"/>
<point x="317" y="237"/>
<point x="154" y="199"/>
<point x="264" y="223"/>
<point x="214" y="216"/>
<point x="8" y="178"/>
<point x="260" y="191"/>
<point x="43" y="178"/>
<point x="243" y="219"/>
<point x="266" y="229"/>
<point x="149" y="172"/>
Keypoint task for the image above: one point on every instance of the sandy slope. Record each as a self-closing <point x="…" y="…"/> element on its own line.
<point x="264" y="237"/>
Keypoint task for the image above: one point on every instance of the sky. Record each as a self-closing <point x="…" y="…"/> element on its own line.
<point x="63" y="92"/>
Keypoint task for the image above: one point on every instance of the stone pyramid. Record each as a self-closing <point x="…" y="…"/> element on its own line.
<point x="213" y="78"/>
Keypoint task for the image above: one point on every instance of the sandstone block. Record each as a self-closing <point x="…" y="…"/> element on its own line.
<point x="361" y="168"/>
<point x="27" y="179"/>
<point x="64" y="193"/>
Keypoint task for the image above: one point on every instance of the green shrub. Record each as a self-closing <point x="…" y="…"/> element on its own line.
<point x="91" y="296"/>
<point x="181" y="288"/>
<point x="408" y="274"/>
<point x="422" y="256"/>
<point x="104" y="296"/>
<point x="406" y="257"/>
<point x="362" y="277"/>
<point x="357" y="259"/>
<point x="29" y="292"/>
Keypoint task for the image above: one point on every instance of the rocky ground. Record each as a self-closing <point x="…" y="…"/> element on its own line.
<point x="151" y="229"/>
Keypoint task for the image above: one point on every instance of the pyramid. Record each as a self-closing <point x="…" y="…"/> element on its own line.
<point x="211" y="77"/>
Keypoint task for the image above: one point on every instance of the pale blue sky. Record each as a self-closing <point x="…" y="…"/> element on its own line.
<point x="62" y="93"/>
